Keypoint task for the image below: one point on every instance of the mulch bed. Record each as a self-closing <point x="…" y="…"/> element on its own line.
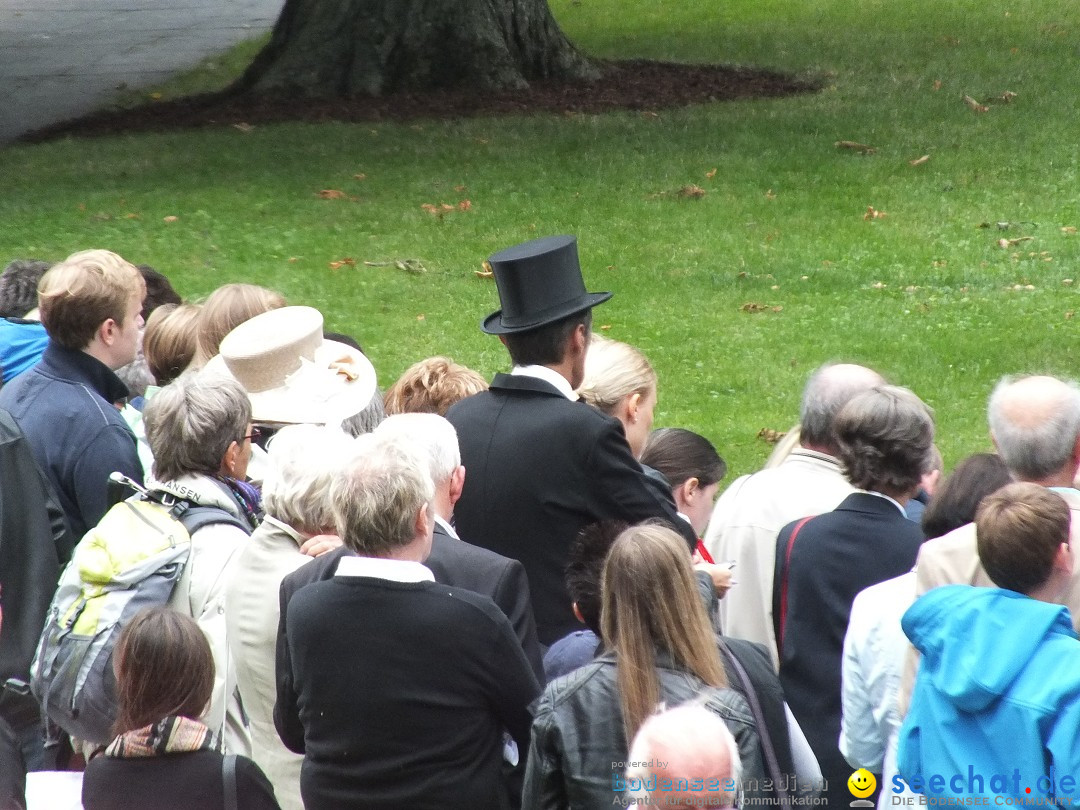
<point x="626" y="85"/>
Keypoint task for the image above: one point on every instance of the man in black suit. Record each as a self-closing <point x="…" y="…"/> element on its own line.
<point x="541" y="464"/>
<point x="452" y="561"/>
<point x="397" y="690"/>
<point x="884" y="438"/>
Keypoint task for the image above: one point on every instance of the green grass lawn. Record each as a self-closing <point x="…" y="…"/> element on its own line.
<point x="921" y="293"/>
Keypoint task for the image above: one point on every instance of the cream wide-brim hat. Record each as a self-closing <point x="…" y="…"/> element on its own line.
<point x="291" y="373"/>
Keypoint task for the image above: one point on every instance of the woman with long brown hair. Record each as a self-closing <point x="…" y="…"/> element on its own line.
<point x="661" y="650"/>
<point x="162" y="757"/>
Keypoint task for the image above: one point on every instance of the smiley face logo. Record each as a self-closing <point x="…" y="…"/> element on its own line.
<point x="861" y="783"/>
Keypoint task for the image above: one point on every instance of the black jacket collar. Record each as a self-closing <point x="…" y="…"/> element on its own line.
<point x="77" y="366"/>
<point x="523" y="382"/>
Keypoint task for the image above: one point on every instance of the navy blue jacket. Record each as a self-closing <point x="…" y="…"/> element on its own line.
<point x="65" y="407"/>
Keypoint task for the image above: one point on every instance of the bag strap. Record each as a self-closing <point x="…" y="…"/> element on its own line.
<point x="772" y="764"/>
<point x="195" y="517"/>
<point x="228" y="781"/>
<point x="784" y="585"/>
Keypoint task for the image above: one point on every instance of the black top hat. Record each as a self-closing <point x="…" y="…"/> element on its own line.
<point x="539" y="283"/>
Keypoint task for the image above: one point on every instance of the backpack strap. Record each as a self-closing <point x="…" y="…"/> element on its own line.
<point x="228" y="781"/>
<point x="782" y="622"/>
<point x="196" y="517"/>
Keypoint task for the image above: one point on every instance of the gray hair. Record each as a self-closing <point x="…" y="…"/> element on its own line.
<point x="433" y="435"/>
<point x="191" y="422"/>
<point x="827" y="392"/>
<point x="367" y="419"/>
<point x="885" y="439"/>
<point x="303" y="460"/>
<point x="693" y="742"/>
<point x="378" y="495"/>
<point x="1035" y="422"/>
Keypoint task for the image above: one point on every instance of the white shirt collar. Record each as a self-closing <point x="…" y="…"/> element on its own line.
<point x="381" y="568"/>
<point x="893" y="501"/>
<point x="446" y="527"/>
<point x="549" y="376"/>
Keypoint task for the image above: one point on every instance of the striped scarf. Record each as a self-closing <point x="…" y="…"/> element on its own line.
<point x="170" y="735"/>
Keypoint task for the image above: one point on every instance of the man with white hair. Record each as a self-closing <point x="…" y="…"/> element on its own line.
<point x="452" y="560"/>
<point x="753" y="510"/>
<point x="396" y="689"/>
<point x="684" y="757"/>
<point x="301" y="463"/>
<point x="1035" y="425"/>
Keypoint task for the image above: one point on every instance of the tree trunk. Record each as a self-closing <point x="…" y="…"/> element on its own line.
<point x="334" y="48"/>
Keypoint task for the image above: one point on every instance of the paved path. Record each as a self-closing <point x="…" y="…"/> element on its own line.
<point x="63" y="58"/>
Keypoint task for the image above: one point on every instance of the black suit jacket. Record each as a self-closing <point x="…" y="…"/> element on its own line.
<point x="539" y="468"/>
<point x="865" y="540"/>
<point x="462" y="565"/>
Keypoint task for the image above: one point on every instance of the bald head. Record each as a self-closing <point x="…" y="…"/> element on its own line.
<point x="1035" y="422"/>
<point x="681" y="745"/>
<point x="827" y="391"/>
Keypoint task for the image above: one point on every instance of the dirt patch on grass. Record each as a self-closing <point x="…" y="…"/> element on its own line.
<point x="625" y="85"/>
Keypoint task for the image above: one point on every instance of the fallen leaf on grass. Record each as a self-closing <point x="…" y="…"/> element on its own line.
<point x="770" y="435"/>
<point x="605" y="327"/>
<point x="1005" y="244"/>
<point x="1068" y="230"/>
<point x="976" y="106"/>
<point x="919" y="161"/>
<point x="360" y="176"/>
<point x="754" y="306"/>
<point x="459" y="189"/>
<point x="414" y="266"/>
<point x="1069" y="315"/>
<point x="171" y="218"/>
<point x="132" y="216"/>
<point x="873" y="213"/>
<point x="1067" y="282"/>
<point x="420" y="317"/>
<point x="101" y="216"/>
<point x="691" y="192"/>
<point x="333" y="194"/>
<point x="346" y="262"/>
<point x="464" y="205"/>
<point x="770" y="195"/>
<point x="243" y="127"/>
<point x="1006" y="97"/>
<point x="937" y="84"/>
<point x="855" y="146"/>
<point x="711" y="174"/>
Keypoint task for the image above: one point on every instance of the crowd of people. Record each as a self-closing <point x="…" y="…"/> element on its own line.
<point x="509" y="594"/>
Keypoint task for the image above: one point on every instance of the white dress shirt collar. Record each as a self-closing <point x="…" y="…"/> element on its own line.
<point x="381" y="568"/>
<point x="446" y="527"/>
<point x="549" y="376"/>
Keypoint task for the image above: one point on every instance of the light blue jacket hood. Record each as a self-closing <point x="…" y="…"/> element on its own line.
<point x="998" y="632"/>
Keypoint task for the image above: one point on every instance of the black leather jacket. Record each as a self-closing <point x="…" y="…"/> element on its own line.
<point x="578" y="743"/>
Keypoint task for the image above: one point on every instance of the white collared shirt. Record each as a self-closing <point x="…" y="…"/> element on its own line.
<point x="549" y="376"/>
<point x="446" y="527"/>
<point x="893" y="501"/>
<point x="382" y="568"/>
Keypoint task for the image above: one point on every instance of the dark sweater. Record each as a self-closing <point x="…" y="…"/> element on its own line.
<point x="398" y="693"/>
<point x="172" y="782"/>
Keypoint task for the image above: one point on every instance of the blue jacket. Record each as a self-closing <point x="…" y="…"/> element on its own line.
<point x="65" y="407"/>
<point x="997" y="697"/>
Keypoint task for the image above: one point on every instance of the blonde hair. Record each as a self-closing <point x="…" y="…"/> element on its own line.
<point x="170" y="340"/>
<point x="80" y="293"/>
<point x="650" y="603"/>
<point x="225" y="309"/>
<point x="613" y="371"/>
<point x="432" y="386"/>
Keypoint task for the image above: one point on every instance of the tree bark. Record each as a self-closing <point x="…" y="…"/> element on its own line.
<point x="335" y="48"/>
